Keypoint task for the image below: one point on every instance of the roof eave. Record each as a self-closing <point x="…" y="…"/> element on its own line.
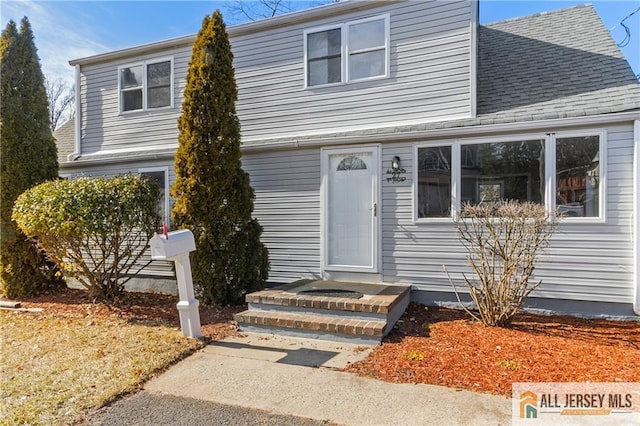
<point x="319" y="12"/>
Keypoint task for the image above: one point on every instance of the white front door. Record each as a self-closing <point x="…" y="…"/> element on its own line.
<point x="350" y="184"/>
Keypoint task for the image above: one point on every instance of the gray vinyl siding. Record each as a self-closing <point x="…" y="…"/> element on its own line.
<point x="430" y="63"/>
<point x="287" y="205"/>
<point x="104" y="128"/>
<point x="592" y="262"/>
<point x="429" y="76"/>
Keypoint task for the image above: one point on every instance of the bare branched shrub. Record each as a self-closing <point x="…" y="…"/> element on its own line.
<point x="503" y="240"/>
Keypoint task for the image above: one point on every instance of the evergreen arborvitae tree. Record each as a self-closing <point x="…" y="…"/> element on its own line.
<point x="27" y="157"/>
<point x="213" y="197"/>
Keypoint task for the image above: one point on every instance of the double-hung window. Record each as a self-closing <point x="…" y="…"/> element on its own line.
<point x="146" y="86"/>
<point x="324" y="57"/>
<point x="352" y="51"/>
<point x="563" y="171"/>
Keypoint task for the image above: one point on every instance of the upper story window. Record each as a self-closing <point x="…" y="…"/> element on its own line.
<point x="324" y="57"/>
<point x="353" y="51"/>
<point x="147" y="85"/>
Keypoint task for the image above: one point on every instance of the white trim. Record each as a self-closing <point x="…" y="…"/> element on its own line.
<point x="516" y="137"/>
<point x="165" y="170"/>
<point x="130" y="150"/>
<point x="456" y="189"/>
<point x="78" y="123"/>
<point x="347" y="76"/>
<point x="288" y="19"/>
<point x="376" y="195"/>
<point x="473" y="75"/>
<point x="602" y="186"/>
<point x="64" y="175"/>
<point x="306" y="58"/>
<point x="345" y="53"/>
<point x="452" y="132"/>
<point x="636" y="216"/>
<point x="144" y="88"/>
<point x="414" y="184"/>
<point x="120" y="89"/>
<point x="549" y="196"/>
<point x="87" y="161"/>
<point x="550" y="173"/>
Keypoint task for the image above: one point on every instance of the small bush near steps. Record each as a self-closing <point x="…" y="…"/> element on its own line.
<point x="503" y="241"/>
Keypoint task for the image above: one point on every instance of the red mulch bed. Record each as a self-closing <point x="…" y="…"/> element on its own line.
<point x="217" y="323"/>
<point x="432" y="345"/>
<point x="442" y="347"/>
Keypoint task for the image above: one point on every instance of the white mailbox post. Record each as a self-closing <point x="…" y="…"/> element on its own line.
<point x="176" y="246"/>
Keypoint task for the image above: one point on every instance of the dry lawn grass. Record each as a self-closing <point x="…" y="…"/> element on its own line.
<point x="76" y="356"/>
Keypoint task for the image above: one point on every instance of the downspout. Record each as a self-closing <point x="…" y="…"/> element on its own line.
<point x="473" y="73"/>
<point x="636" y="215"/>
<point x="78" y="123"/>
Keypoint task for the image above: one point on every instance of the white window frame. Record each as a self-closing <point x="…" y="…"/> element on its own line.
<point x="549" y="175"/>
<point x="144" y="65"/>
<point x="602" y="193"/>
<point x="165" y="169"/>
<point x="344" y="51"/>
<point x="455" y="163"/>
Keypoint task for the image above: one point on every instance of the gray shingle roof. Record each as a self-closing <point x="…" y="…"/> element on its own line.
<point x="553" y="65"/>
<point x="65" y="139"/>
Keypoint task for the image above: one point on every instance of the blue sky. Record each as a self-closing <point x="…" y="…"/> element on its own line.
<point x="67" y="30"/>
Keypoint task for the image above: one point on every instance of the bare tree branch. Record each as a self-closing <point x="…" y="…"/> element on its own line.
<point x="61" y="98"/>
<point x="254" y="10"/>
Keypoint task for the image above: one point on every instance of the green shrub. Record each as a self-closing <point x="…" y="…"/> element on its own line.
<point x="503" y="241"/>
<point x="213" y="196"/>
<point x="28" y="154"/>
<point x="95" y="229"/>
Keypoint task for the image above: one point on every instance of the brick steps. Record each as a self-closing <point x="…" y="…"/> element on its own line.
<point x="313" y="323"/>
<point x="369" y="304"/>
<point x="284" y="310"/>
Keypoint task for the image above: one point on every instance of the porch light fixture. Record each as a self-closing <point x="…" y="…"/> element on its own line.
<point x="395" y="163"/>
<point x="395" y="171"/>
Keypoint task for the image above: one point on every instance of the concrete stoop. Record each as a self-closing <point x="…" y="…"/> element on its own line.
<point x="287" y="310"/>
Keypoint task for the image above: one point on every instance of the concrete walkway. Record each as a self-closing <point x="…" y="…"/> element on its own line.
<point x="298" y="377"/>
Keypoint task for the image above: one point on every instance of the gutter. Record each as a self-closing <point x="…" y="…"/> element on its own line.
<point x="636" y="215"/>
<point x="87" y="160"/>
<point x="106" y="157"/>
<point x="547" y="125"/>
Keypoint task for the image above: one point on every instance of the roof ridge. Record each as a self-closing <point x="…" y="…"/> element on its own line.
<point x="548" y="12"/>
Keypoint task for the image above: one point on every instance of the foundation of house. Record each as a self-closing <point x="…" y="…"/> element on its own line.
<point x="332" y="310"/>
